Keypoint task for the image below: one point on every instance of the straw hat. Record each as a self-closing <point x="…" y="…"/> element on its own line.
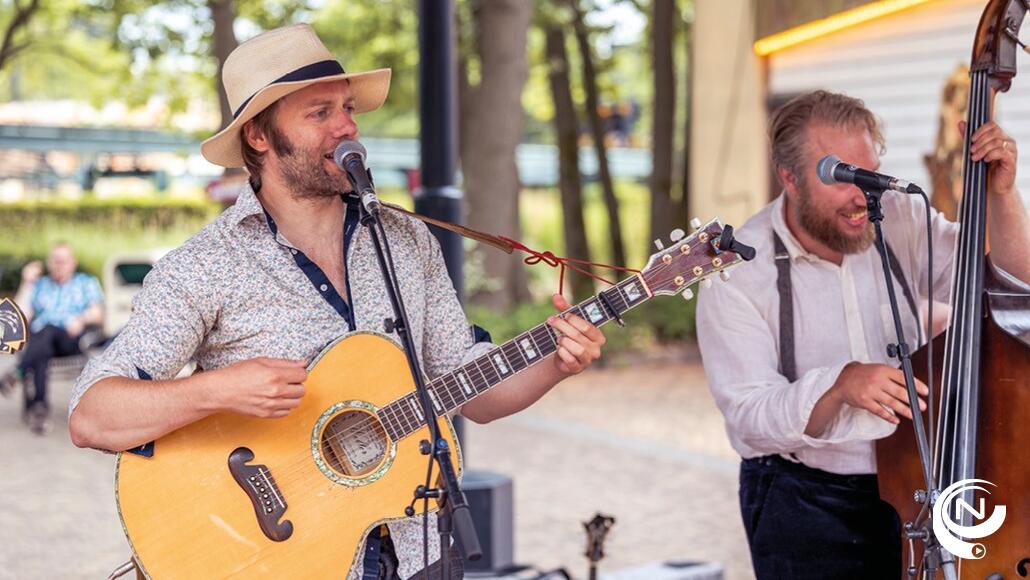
<point x="272" y="65"/>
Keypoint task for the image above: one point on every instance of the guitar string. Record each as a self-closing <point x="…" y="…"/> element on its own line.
<point x="371" y="421"/>
<point x="287" y="474"/>
<point x="301" y="465"/>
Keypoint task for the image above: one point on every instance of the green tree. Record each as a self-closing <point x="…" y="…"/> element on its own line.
<point x="16" y="16"/>
<point x="371" y="34"/>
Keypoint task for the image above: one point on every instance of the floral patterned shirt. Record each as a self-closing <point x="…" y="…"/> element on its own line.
<point x="238" y="289"/>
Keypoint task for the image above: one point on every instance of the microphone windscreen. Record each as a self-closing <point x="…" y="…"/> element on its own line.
<point x="346" y="148"/>
<point x="825" y="169"/>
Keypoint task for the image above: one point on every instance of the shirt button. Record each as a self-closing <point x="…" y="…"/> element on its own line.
<point x="294" y="252"/>
<point x="324" y="287"/>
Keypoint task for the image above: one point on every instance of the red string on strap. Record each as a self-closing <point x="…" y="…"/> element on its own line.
<point x="562" y="263"/>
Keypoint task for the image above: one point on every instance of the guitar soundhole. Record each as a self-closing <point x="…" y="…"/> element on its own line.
<point x="354" y="443"/>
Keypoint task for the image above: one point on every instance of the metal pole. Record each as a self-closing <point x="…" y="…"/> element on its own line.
<point x="437" y="197"/>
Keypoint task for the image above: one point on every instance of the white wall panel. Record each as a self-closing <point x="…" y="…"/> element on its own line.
<point x="898" y="65"/>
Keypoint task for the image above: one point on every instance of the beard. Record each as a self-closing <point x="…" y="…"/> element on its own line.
<point x="304" y="171"/>
<point x="824" y="227"/>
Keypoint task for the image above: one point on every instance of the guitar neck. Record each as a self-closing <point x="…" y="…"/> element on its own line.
<point x="450" y="391"/>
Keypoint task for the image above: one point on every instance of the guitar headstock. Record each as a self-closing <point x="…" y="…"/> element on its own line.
<point x="694" y="258"/>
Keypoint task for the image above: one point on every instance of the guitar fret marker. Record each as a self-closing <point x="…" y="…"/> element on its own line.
<point x="499" y="362"/>
<point x="435" y="401"/>
<point x="593" y="313"/>
<point x="417" y="410"/>
<point x="527" y="349"/>
<point x="464" y="382"/>
<point x="632" y="292"/>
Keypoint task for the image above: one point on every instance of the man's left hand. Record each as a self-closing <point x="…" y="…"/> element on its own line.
<point x="579" y="342"/>
<point x="993" y="145"/>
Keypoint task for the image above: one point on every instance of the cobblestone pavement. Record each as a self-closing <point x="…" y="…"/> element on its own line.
<point x="644" y="444"/>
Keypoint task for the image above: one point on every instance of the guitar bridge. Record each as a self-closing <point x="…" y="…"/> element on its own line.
<point x="259" y="485"/>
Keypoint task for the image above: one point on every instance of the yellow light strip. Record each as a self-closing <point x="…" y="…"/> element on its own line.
<point x="829" y="25"/>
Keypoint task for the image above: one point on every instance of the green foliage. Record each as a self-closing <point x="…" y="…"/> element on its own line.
<point x="130" y="50"/>
<point x="94" y="228"/>
<point x="542" y="227"/>
<point x="372" y="34"/>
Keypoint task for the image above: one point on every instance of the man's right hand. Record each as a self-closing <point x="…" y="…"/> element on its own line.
<point x="261" y="387"/>
<point x="31" y="272"/>
<point x="877" y="388"/>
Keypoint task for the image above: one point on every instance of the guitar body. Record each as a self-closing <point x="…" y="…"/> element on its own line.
<point x="321" y="478"/>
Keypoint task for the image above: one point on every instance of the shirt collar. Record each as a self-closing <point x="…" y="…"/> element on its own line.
<point x="779" y="225"/>
<point x="246" y="205"/>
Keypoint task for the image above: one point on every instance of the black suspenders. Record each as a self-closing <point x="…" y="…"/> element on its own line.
<point x="788" y="365"/>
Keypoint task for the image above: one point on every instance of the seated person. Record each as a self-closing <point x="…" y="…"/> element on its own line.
<point x="61" y="307"/>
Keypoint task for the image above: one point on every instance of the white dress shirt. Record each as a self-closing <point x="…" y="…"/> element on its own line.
<point x="841" y="314"/>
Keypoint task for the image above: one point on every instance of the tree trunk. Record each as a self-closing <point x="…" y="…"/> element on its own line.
<point x="662" y="206"/>
<point x="566" y="128"/>
<point x="223" y="14"/>
<point x="492" y="129"/>
<point x="683" y="208"/>
<point x="597" y="131"/>
<point x="19" y="20"/>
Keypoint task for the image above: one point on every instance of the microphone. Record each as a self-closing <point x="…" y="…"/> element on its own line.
<point x="832" y="170"/>
<point x="350" y="157"/>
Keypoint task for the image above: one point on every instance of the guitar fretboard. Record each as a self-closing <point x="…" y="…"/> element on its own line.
<point x="452" y="390"/>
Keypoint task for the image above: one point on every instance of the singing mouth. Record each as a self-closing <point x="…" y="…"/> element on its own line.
<point x="855" y="218"/>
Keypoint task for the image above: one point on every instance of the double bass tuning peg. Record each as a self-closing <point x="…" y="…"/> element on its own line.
<point x="1015" y="37"/>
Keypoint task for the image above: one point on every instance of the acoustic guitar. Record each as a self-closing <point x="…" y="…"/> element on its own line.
<point x="233" y="496"/>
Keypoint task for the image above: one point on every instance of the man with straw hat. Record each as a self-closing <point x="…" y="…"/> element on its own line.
<point x="256" y="294"/>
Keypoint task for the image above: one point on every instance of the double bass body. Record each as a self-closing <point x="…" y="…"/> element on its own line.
<point x="1003" y="456"/>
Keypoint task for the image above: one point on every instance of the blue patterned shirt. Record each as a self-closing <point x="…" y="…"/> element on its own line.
<point x="55" y="304"/>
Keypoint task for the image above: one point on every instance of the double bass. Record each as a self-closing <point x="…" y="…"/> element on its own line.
<point x="981" y="424"/>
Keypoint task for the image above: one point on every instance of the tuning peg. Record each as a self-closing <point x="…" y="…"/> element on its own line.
<point x="706" y="283"/>
<point x="688" y="294"/>
<point x="658" y="244"/>
<point x="728" y="242"/>
<point x="677" y="235"/>
<point x="695" y="223"/>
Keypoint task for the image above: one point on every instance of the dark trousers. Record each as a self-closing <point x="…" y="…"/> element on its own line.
<point x="805" y="523"/>
<point x="43" y="346"/>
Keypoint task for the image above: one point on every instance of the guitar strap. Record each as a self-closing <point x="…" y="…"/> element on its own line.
<point x="470" y="233"/>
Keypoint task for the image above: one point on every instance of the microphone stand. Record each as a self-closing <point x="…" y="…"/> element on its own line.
<point x="454" y="509"/>
<point x="933" y="553"/>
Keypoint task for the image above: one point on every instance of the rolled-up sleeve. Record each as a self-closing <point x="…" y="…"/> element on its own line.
<point x="764" y="411"/>
<point x="447" y="337"/>
<point x="167" y="326"/>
